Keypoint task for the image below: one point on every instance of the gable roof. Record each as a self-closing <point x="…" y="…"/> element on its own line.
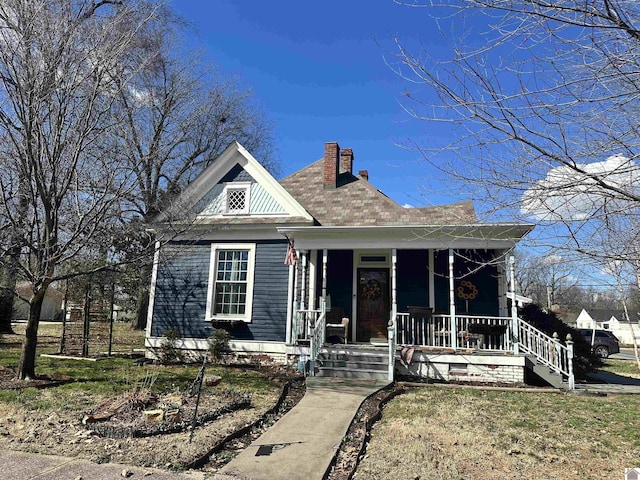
<point x="186" y="206"/>
<point x="604" y="314"/>
<point x="355" y="202"/>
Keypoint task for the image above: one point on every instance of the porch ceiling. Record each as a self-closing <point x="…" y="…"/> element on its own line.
<point x="490" y="236"/>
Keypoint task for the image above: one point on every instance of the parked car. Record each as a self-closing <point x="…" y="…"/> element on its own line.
<point x="604" y="344"/>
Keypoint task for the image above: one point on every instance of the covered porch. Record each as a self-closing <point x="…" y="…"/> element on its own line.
<point x="438" y="287"/>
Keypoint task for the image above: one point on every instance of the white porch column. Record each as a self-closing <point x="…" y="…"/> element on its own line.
<point x="432" y="283"/>
<point x="290" y="299"/>
<point x="514" y="307"/>
<point x="312" y="279"/>
<point x="452" y="303"/>
<point x="325" y="255"/>
<point x="394" y="277"/>
<point x="295" y="282"/>
<point x="503" y="282"/>
<point x="303" y="284"/>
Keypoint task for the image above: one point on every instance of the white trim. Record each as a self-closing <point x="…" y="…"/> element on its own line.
<point x="313" y="257"/>
<point x="234" y="154"/>
<point x="303" y="285"/>
<point x="152" y="287"/>
<point x="215" y="247"/>
<point x="452" y="301"/>
<point x="372" y="253"/>
<point x="432" y="280"/>
<point x="236" y="346"/>
<point x="489" y="236"/>
<point x="290" y="303"/>
<point x="394" y="279"/>
<point x="239" y="186"/>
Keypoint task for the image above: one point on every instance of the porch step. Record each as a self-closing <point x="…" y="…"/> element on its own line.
<point x="351" y="361"/>
<point x="545" y="373"/>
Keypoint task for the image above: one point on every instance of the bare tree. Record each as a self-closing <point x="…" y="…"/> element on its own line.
<point x="542" y="97"/>
<point x="58" y="63"/>
<point x="545" y="102"/>
<point x="178" y="114"/>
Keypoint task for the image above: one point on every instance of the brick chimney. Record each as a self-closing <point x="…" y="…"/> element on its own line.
<point x="331" y="164"/>
<point x="346" y="160"/>
<point x="364" y="174"/>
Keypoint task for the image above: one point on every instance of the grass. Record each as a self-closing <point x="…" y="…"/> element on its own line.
<point x="441" y="434"/>
<point x="94" y="381"/>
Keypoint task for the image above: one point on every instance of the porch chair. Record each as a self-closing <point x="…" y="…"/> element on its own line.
<point x="337" y="324"/>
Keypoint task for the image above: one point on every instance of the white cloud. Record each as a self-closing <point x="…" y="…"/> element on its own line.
<point x="572" y="194"/>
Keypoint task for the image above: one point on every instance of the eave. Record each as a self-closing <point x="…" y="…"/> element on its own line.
<point x="488" y="236"/>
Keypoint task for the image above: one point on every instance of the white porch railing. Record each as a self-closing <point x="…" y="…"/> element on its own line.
<point x="547" y="350"/>
<point x="472" y="331"/>
<point x="310" y="326"/>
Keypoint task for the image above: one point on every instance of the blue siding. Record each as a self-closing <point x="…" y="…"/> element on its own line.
<point x="181" y="293"/>
<point x="466" y="268"/>
<point x="412" y="279"/>
<point x="236" y="174"/>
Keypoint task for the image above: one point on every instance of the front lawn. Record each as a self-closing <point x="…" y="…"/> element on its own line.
<point x="437" y="433"/>
<point x="48" y="420"/>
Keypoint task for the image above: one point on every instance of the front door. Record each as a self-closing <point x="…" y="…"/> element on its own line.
<point x="373" y="304"/>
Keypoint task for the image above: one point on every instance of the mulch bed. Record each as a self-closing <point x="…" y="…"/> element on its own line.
<point x="9" y="380"/>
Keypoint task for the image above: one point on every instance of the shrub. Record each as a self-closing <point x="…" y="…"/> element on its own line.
<point x="219" y="344"/>
<point x="169" y="352"/>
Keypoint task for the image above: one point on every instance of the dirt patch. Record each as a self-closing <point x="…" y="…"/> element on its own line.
<point x="9" y="380"/>
<point x="59" y="431"/>
<point x="355" y="441"/>
<point x="227" y="449"/>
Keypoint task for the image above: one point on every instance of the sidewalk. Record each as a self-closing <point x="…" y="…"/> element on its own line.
<point x="302" y="444"/>
<point x="606" y="382"/>
<point x="32" y="466"/>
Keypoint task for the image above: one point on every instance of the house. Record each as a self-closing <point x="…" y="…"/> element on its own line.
<point x="324" y="266"/>
<point x="52" y="304"/>
<point x="612" y="320"/>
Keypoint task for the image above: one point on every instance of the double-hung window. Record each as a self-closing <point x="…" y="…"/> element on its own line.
<point x="230" y="291"/>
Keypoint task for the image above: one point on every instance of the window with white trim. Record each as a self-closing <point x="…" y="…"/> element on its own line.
<point x="236" y="198"/>
<point x="230" y="290"/>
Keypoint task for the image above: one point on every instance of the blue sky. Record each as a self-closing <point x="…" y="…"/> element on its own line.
<point x="319" y="70"/>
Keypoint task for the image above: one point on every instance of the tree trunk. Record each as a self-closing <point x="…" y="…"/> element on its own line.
<point x="27" y="368"/>
<point x="142" y="309"/>
<point x="7" y="292"/>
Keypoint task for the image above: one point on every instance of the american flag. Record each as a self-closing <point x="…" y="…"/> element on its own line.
<point x="291" y="257"/>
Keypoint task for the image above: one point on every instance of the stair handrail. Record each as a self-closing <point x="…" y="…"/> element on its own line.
<point x="547" y="350"/>
<point x="318" y="332"/>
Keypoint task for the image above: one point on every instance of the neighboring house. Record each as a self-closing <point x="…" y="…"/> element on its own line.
<point x="613" y="321"/>
<point x="361" y="262"/>
<point x="51" y="305"/>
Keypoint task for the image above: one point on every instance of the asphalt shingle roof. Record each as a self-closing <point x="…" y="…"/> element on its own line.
<point x="355" y="202"/>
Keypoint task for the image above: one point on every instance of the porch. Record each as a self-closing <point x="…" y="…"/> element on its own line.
<point x="441" y="347"/>
<point x="443" y="290"/>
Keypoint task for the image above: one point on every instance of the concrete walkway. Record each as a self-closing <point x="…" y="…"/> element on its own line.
<point x="32" y="466"/>
<point x="606" y="382"/>
<point x="302" y="444"/>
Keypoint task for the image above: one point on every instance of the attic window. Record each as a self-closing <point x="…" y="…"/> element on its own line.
<point x="237" y="198"/>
